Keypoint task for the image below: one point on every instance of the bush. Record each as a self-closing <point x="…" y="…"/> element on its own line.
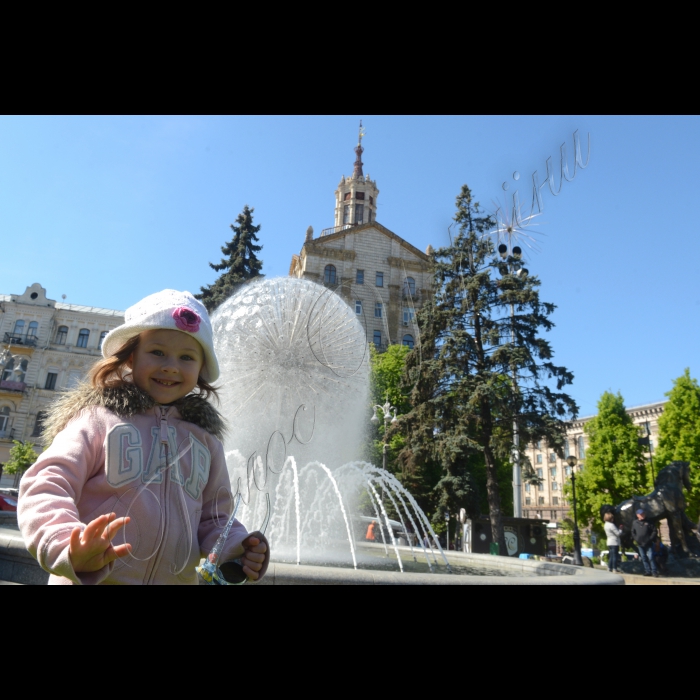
<point x="22" y="456"/>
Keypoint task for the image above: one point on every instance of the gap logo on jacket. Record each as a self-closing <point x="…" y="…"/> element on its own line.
<point x="124" y="456"/>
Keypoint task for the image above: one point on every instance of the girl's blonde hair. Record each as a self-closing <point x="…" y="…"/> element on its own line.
<point x="608" y="517"/>
<point x="110" y="372"/>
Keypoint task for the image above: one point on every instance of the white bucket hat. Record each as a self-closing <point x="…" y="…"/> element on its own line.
<point x="170" y="310"/>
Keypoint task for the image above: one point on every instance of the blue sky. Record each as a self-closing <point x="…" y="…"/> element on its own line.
<point x="109" y="209"/>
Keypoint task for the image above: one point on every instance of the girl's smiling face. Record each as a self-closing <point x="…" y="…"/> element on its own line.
<point x="166" y="364"/>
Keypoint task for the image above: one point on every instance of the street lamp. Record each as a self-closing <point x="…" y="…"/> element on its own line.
<point x="447" y="522"/>
<point x="521" y="272"/>
<point x="386" y="410"/>
<point x="571" y="461"/>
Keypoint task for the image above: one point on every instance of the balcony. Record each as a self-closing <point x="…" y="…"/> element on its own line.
<point x="7" y="385"/>
<point x="335" y="229"/>
<point x="25" y="339"/>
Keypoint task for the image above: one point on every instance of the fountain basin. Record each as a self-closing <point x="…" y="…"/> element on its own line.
<point x="510" y="572"/>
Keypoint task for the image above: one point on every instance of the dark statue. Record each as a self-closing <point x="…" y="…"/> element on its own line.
<point x="665" y="501"/>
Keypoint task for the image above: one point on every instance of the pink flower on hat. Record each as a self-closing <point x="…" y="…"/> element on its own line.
<point x="186" y="319"/>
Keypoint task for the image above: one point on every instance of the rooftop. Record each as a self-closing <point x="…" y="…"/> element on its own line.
<point x="75" y="307"/>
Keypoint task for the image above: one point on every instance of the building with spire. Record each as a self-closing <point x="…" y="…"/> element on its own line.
<point x="378" y="273"/>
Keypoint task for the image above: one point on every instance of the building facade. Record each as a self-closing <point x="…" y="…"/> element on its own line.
<point x="45" y="346"/>
<point x="380" y="275"/>
<point x="546" y="500"/>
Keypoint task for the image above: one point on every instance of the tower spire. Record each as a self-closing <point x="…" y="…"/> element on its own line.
<point x="357" y="170"/>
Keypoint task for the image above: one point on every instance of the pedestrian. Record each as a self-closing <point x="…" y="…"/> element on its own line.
<point x="370" y="537"/>
<point x="613" y="534"/>
<point x="133" y="488"/>
<point x="644" y="534"/>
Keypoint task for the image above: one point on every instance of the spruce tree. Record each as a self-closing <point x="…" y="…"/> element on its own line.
<point x="679" y="435"/>
<point x="479" y="367"/>
<point x="614" y="468"/>
<point x="240" y="265"/>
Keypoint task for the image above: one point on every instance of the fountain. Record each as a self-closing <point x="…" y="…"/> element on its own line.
<point x="295" y="393"/>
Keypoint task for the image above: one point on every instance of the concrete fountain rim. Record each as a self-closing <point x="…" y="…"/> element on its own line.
<point x="545" y="574"/>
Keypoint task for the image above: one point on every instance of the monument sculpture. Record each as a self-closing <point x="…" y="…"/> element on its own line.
<point x="667" y="500"/>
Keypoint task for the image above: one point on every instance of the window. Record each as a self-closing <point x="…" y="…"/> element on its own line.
<point x="408" y="341"/>
<point x="540" y="502"/>
<point x="360" y="277"/>
<point x="408" y="316"/>
<point x="329" y="274"/>
<point x="539" y="444"/>
<point x="33" y="330"/>
<point x="378" y="309"/>
<point x="19" y="328"/>
<point x="38" y="424"/>
<point x="51" y="381"/>
<point x="553" y="515"/>
<point x="358" y="306"/>
<point x="12" y="375"/>
<point x="528" y="501"/>
<point x="555" y="501"/>
<point x="347" y="197"/>
<point x="527" y="488"/>
<point x="346" y="213"/>
<point x="369" y="216"/>
<point x="8" y="369"/>
<point x="555" y="487"/>
<point x="61" y="335"/>
<point x="83" y="338"/>
<point x="539" y="460"/>
<point x="540" y="487"/>
<point x="380" y="279"/>
<point x="581" y="448"/>
<point x="567" y="470"/>
<point x="552" y="457"/>
<point x="566" y="449"/>
<point x="359" y="213"/>
<point x="409" y="286"/>
<point x="552" y="472"/>
<point x="4" y="418"/>
<point x="103" y="335"/>
<point x="371" y="199"/>
<point x="359" y="195"/>
<point x="377" y="338"/>
<point x="540" y="475"/>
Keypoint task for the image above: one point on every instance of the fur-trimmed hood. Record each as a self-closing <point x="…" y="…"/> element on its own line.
<point x="126" y="400"/>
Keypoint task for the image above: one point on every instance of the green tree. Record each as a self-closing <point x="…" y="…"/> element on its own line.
<point x="22" y="456"/>
<point x="481" y="364"/>
<point x="240" y="265"/>
<point x="614" y="468"/>
<point x="386" y="372"/>
<point x="679" y="435"/>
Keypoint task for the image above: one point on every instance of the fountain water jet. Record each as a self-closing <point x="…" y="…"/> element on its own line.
<point x="295" y="375"/>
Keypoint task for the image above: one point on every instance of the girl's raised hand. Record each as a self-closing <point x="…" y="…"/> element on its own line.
<point x="91" y="548"/>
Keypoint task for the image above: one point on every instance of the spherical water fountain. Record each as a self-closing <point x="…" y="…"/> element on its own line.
<point x="295" y="393"/>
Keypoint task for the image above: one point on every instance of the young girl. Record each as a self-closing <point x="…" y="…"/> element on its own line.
<point x="133" y="487"/>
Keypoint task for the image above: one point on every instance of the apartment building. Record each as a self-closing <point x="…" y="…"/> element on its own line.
<point x="45" y="346"/>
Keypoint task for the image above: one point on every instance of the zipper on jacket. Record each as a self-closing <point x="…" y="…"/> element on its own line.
<point x="163" y="426"/>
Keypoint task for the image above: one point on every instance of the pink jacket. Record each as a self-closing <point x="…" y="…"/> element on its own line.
<point x="103" y="462"/>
